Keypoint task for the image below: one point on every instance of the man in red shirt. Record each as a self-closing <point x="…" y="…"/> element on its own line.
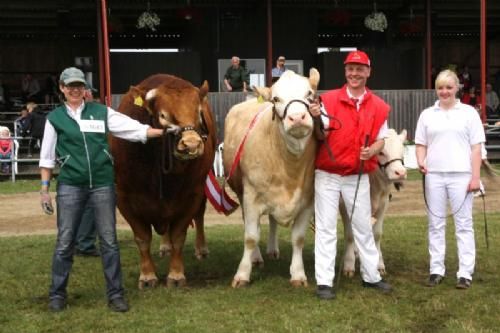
<point x="356" y="123"/>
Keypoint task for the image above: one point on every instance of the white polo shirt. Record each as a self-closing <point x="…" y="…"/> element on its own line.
<point x="448" y="136"/>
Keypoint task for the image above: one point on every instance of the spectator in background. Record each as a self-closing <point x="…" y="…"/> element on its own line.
<point x="464" y="78"/>
<point x="279" y="69"/>
<point x="471" y="97"/>
<point x="5" y="149"/>
<point x="236" y="78"/>
<point x="491" y="98"/>
<point x="30" y="89"/>
<point x="23" y="123"/>
<point x="51" y="93"/>
<point x="37" y="120"/>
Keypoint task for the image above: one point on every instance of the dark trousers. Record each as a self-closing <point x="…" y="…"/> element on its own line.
<point x="71" y="202"/>
<point x="87" y="232"/>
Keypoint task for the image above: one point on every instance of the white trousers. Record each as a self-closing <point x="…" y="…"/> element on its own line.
<point x="327" y="190"/>
<point x="439" y="188"/>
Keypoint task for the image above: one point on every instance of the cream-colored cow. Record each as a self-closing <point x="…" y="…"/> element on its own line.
<point x="275" y="175"/>
<point x="390" y="171"/>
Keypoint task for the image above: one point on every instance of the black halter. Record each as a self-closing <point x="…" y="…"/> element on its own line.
<point x="275" y="113"/>
<point x="386" y="164"/>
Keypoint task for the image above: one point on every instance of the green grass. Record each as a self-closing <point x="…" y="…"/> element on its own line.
<point x="19" y="186"/>
<point x="269" y="304"/>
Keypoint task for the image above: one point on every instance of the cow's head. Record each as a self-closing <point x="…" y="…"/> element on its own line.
<point x="390" y="158"/>
<point x="178" y="108"/>
<point x="291" y="96"/>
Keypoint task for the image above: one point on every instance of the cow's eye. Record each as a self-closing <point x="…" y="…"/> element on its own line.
<point x="381" y="153"/>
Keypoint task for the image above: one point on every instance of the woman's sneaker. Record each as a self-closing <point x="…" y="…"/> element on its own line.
<point x="434" y="280"/>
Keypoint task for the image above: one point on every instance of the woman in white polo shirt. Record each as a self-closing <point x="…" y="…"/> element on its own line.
<point x="448" y="138"/>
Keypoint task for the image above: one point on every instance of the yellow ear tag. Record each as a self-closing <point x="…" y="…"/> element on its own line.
<point x="138" y="101"/>
<point x="260" y="99"/>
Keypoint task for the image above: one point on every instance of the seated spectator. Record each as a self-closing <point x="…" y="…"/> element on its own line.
<point x="5" y="149"/>
<point x="491" y="98"/>
<point x="51" y="89"/>
<point x="23" y="123"/>
<point x="30" y="89"/>
<point x="471" y="97"/>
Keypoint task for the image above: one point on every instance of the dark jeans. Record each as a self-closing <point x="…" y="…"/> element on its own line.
<point x="71" y="202"/>
<point x="87" y="232"/>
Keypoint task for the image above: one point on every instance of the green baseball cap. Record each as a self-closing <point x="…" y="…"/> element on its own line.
<point x="71" y="75"/>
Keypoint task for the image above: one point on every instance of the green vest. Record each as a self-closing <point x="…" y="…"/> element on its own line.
<point x="84" y="157"/>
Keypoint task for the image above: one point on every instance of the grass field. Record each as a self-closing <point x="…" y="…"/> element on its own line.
<point x="269" y="304"/>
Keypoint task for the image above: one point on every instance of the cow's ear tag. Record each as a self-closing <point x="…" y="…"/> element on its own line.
<point x="260" y="99"/>
<point x="138" y="101"/>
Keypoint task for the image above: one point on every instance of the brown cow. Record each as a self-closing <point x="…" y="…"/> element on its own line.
<point x="161" y="183"/>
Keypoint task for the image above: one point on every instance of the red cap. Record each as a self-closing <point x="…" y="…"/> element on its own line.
<point x="358" y="57"/>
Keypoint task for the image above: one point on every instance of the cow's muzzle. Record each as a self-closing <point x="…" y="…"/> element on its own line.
<point x="189" y="146"/>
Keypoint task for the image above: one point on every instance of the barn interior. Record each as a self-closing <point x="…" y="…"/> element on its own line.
<point x="42" y="37"/>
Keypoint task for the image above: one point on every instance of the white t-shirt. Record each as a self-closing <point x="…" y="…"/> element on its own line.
<point x="448" y="136"/>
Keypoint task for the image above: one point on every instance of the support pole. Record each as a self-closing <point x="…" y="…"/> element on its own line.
<point x="105" y="49"/>
<point x="428" y="47"/>
<point x="269" y="62"/>
<point x="100" y="54"/>
<point x="483" y="60"/>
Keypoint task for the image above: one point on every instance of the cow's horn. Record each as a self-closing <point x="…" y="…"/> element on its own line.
<point x="314" y="78"/>
<point x="151" y="94"/>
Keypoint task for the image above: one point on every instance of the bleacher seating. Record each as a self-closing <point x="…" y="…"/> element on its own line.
<point x="24" y="162"/>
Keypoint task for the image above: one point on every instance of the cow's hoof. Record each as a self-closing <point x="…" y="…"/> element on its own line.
<point x="165" y="251"/>
<point x="147" y="284"/>
<point x="201" y="254"/>
<point x="273" y="255"/>
<point x="349" y="273"/>
<point x="172" y="283"/>
<point x="239" y="283"/>
<point x="299" y="283"/>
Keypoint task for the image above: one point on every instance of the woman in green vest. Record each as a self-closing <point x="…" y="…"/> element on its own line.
<point x="76" y="137"/>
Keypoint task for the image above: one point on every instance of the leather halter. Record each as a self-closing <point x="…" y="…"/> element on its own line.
<point x="386" y="164"/>
<point x="171" y="137"/>
<point x="275" y="113"/>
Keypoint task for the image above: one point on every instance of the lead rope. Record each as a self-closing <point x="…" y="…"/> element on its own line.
<point x="486" y="238"/>
<point x="459" y="208"/>
<point x="360" y="173"/>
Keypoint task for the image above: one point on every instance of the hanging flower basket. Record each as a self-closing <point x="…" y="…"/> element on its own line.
<point x="149" y="20"/>
<point x="376" y="21"/>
